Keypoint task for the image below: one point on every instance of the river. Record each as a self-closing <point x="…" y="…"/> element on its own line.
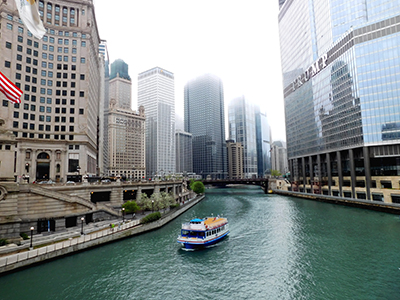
<point x="278" y="248"/>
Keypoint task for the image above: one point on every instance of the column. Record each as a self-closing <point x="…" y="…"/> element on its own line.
<point x="329" y="170"/>
<point x="310" y="163"/>
<point x="319" y="173"/>
<point x="340" y="174"/>
<point x="367" y="168"/>
<point x="303" y="168"/>
<point x="352" y="173"/>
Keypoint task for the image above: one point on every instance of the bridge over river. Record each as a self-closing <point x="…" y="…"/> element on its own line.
<point x="263" y="182"/>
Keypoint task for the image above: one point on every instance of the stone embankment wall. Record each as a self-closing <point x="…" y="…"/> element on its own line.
<point x="392" y="208"/>
<point x="24" y="259"/>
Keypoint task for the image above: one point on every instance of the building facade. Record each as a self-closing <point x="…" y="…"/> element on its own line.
<point x="184" y="152"/>
<point x="56" y="125"/>
<point x="263" y="138"/>
<point x="156" y="94"/>
<point x="120" y="84"/>
<point x="235" y="160"/>
<point x="279" y="157"/>
<point x="204" y="118"/>
<point x="340" y="65"/>
<point x="242" y="129"/>
<point x="126" y="135"/>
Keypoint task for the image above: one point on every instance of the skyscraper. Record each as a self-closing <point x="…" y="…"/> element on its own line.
<point x="341" y="88"/>
<point x="56" y="125"/>
<point x="242" y="129"/>
<point x="235" y="159"/>
<point x="125" y="128"/>
<point x="184" y="152"/>
<point x="264" y="140"/>
<point x="156" y="94"/>
<point x="204" y="119"/>
<point x="120" y="85"/>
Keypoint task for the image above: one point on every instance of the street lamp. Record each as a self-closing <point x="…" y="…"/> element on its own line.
<point x="82" y="219"/>
<point x="31" y="237"/>
<point x="152" y="206"/>
<point x="123" y="214"/>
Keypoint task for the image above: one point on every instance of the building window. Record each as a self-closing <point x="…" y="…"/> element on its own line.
<point x="8" y="45"/>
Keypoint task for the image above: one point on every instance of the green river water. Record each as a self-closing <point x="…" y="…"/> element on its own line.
<point x="278" y="248"/>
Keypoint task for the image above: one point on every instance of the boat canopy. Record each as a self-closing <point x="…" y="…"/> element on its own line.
<point x="196" y="220"/>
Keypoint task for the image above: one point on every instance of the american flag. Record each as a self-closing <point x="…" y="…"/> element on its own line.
<point x="12" y="92"/>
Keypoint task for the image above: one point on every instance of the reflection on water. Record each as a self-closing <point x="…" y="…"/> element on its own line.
<point x="278" y="248"/>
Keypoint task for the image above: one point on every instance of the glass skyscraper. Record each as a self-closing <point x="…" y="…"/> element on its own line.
<point x="205" y="120"/>
<point x="156" y="94"/>
<point x="242" y="129"/>
<point x="263" y="138"/>
<point x="341" y="74"/>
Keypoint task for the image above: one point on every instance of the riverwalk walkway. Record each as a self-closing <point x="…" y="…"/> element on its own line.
<point x="51" y="246"/>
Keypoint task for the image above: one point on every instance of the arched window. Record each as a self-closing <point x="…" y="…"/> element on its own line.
<point x="43" y="155"/>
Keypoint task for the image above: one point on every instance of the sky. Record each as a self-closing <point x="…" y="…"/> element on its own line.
<point x="237" y="41"/>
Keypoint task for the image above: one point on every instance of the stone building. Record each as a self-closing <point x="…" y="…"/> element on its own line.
<point x="56" y="124"/>
<point x="235" y="160"/>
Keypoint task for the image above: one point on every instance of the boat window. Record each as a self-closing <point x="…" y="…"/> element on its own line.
<point x="201" y="233"/>
<point x="185" y="232"/>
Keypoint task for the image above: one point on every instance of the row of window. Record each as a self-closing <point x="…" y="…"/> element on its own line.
<point x="42" y="136"/>
<point x="47" y="109"/>
<point x="42" y="127"/>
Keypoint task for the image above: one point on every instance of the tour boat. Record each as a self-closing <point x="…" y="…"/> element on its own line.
<point x="203" y="232"/>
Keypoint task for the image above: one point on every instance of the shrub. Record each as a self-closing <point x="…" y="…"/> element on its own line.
<point x="151" y="218"/>
<point x="3" y="242"/>
<point x="24" y="236"/>
<point x="172" y="206"/>
<point x="197" y="187"/>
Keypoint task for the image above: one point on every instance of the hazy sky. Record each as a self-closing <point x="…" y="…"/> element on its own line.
<point x="235" y="40"/>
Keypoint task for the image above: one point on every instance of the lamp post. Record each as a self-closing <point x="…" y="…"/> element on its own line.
<point x="152" y="206"/>
<point x="123" y="214"/>
<point x="31" y="237"/>
<point x="82" y="219"/>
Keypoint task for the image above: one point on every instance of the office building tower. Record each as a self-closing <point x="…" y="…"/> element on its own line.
<point x="126" y="148"/>
<point x="263" y="138"/>
<point x="56" y="125"/>
<point x="204" y="119"/>
<point x="120" y="85"/>
<point x="281" y="3"/>
<point x="125" y="128"/>
<point x="156" y="94"/>
<point x="235" y="159"/>
<point x="184" y="152"/>
<point x="242" y="129"/>
<point x="341" y="91"/>
<point x="279" y="157"/>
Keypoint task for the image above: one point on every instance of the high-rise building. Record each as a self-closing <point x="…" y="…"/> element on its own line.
<point x="242" y="129"/>
<point x="235" y="159"/>
<point x="281" y="3"/>
<point x="263" y="137"/>
<point x="279" y="157"/>
<point x="120" y="85"/>
<point x="204" y="119"/>
<point x="340" y="68"/>
<point x="184" y="152"/>
<point x="126" y="148"/>
<point x="56" y="125"/>
<point x="125" y="128"/>
<point x="156" y="94"/>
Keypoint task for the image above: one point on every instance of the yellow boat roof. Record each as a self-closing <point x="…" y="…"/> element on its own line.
<point x="215" y="222"/>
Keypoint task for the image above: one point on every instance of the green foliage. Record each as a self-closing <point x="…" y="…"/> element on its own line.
<point x="3" y="242"/>
<point x="24" y="236"/>
<point x="275" y="173"/>
<point x="130" y="207"/>
<point x="176" y="205"/>
<point x="151" y="218"/>
<point x="144" y="201"/>
<point x="197" y="187"/>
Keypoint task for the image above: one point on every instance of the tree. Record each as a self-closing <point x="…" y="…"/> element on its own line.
<point x="131" y="207"/>
<point x="144" y="202"/>
<point x="197" y="187"/>
<point x="275" y="173"/>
